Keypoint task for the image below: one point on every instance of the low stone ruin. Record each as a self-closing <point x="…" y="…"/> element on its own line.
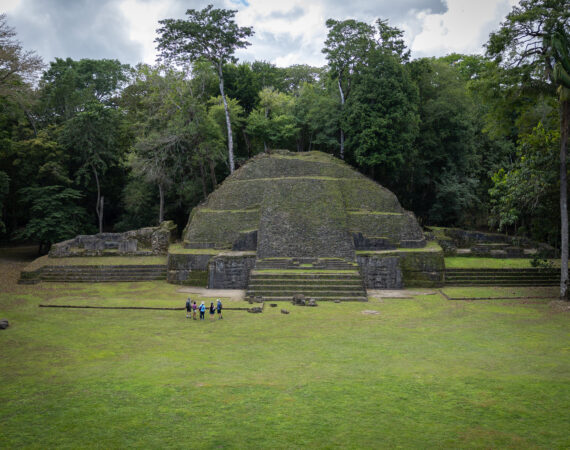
<point x="143" y="242"/>
<point x="299" y="300"/>
<point x="457" y="242"/>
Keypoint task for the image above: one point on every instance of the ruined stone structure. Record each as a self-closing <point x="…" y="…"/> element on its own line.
<point x="144" y="242"/>
<point x="304" y="223"/>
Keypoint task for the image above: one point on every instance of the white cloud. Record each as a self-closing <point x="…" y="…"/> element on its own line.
<point x="6" y="6"/>
<point x="142" y="20"/>
<point x="463" y="28"/>
<point x="286" y="32"/>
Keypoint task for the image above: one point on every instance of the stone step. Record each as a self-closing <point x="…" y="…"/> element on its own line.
<point x="103" y="274"/>
<point x="503" y="283"/>
<point x="502" y="277"/>
<point x="95" y="276"/>
<point x="317" y="298"/>
<point x="101" y="269"/>
<point x="517" y="270"/>
<point x="323" y="285"/>
<point x="306" y="292"/>
<point x="305" y="276"/>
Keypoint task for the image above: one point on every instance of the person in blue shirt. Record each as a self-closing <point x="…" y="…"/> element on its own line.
<point x="219" y="309"/>
<point x="202" y="311"/>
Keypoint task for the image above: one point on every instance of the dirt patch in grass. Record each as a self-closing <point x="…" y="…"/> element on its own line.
<point x="230" y="294"/>
<point x="560" y="306"/>
<point x="12" y="261"/>
<point x="397" y="293"/>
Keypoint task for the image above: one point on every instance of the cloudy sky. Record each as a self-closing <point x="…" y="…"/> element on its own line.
<point x="286" y="31"/>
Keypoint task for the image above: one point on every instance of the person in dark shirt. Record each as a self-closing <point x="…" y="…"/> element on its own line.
<point x="212" y="311"/>
<point x="188" y="308"/>
<point x="219" y="309"/>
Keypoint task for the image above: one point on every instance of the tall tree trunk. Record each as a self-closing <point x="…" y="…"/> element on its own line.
<point x="203" y="178"/>
<point x="228" y="122"/>
<point x="161" y="205"/>
<point x="265" y="149"/>
<point x="213" y="173"/>
<point x="99" y="204"/>
<point x="247" y="143"/>
<point x="341" y="110"/>
<point x="564" y="123"/>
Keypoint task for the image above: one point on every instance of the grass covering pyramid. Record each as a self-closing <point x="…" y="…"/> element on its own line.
<point x="286" y="205"/>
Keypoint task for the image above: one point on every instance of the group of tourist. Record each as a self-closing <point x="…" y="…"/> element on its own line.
<point x="191" y="308"/>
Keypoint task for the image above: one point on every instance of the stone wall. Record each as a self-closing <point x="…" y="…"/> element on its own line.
<point x="188" y="269"/>
<point x="144" y="242"/>
<point x="227" y="271"/>
<point x="400" y="269"/>
<point x="380" y="273"/>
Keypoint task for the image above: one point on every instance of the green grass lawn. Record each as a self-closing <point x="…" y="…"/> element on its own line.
<point x="424" y="373"/>
<point x="462" y="262"/>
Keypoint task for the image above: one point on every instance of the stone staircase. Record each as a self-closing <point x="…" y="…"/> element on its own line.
<point x="305" y="263"/>
<point x="324" y="279"/>
<point x="502" y="277"/>
<point x="94" y="274"/>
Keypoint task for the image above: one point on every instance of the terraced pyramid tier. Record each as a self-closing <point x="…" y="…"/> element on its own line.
<point x="301" y="205"/>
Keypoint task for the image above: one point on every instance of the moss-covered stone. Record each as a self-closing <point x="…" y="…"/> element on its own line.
<point x="297" y="205"/>
<point x="302" y="204"/>
<point x="403" y="267"/>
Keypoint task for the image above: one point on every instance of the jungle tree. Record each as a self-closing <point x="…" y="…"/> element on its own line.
<point x="346" y="46"/>
<point x="211" y="34"/>
<point x="531" y="42"/>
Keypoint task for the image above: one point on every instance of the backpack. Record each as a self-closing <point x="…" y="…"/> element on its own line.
<point x="188" y="304"/>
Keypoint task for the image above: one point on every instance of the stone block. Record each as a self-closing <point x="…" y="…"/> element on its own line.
<point x="128" y="246"/>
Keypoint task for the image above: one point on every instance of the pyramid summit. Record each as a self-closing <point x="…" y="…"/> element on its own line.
<point x="286" y="210"/>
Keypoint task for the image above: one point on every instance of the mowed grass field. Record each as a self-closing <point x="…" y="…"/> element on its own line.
<point x="425" y="372"/>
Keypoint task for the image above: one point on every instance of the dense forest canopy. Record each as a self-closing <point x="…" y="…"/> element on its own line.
<point x="463" y="140"/>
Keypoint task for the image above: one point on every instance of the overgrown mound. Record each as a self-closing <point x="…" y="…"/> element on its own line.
<point x="301" y="204"/>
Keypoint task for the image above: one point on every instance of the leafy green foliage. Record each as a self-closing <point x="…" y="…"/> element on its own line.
<point x="381" y="118"/>
<point x="55" y="214"/>
<point x="526" y="194"/>
<point x="4" y="188"/>
<point x="68" y="85"/>
<point x="273" y="123"/>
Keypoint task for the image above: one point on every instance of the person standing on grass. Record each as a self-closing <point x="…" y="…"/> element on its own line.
<point x="202" y="311"/>
<point x="194" y="310"/>
<point x="212" y="311"/>
<point x="219" y="308"/>
<point x="188" y="308"/>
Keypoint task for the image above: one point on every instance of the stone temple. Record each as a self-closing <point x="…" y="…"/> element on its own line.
<point x="304" y="223"/>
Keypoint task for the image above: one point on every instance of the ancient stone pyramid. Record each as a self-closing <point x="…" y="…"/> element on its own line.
<point x="299" y="205"/>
